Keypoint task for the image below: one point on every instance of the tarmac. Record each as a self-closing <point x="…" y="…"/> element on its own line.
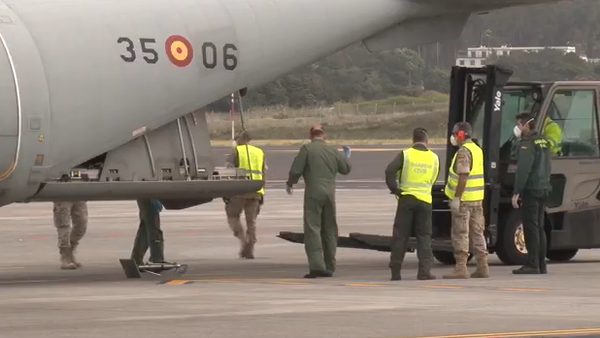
<point x="223" y="296"/>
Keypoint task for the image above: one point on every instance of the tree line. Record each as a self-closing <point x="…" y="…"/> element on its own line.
<point x="355" y="75"/>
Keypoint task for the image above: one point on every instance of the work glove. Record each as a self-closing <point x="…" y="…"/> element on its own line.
<point x="455" y="204"/>
<point x="347" y="151"/>
<point x="289" y="189"/>
<point x="261" y="201"/>
<point x="226" y="200"/>
<point x="156" y="205"/>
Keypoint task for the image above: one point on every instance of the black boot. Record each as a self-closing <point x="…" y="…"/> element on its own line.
<point x="315" y="274"/>
<point x="526" y="270"/>
<point x="426" y="277"/>
<point x="396" y="275"/>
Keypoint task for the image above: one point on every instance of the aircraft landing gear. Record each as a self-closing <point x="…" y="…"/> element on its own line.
<point x="132" y="270"/>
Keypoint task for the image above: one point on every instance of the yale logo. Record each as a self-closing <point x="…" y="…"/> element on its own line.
<point x="498" y="101"/>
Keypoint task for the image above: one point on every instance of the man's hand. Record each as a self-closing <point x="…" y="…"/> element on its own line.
<point x="261" y="201"/>
<point x="455" y="204"/>
<point x="226" y="200"/>
<point x="515" y="201"/>
<point x="289" y="189"/>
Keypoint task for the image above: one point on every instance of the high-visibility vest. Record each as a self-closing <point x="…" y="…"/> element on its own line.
<point x="257" y="158"/>
<point x="552" y="132"/>
<point x="418" y="174"/>
<point x="475" y="186"/>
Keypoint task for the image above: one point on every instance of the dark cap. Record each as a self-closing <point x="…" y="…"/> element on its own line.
<point x="316" y="127"/>
<point x="242" y="135"/>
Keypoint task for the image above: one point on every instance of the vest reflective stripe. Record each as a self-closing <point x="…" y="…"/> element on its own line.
<point x="418" y="174"/>
<point x="257" y="158"/>
<point x="475" y="185"/>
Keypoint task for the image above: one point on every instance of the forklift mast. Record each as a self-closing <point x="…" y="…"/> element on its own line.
<point x="471" y="89"/>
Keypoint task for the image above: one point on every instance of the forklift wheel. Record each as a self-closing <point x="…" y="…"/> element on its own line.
<point x="447" y="257"/>
<point x="561" y="255"/>
<point x="510" y="247"/>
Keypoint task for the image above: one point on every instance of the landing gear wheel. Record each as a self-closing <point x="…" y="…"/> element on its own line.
<point x="561" y="255"/>
<point x="447" y="257"/>
<point x="510" y="247"/>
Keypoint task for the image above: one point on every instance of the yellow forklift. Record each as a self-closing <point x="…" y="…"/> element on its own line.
<point x="485" y="98"/>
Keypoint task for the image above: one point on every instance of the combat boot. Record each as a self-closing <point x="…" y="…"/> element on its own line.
<point x="483" y="270"/>
<point x="65" y="259"/>
<point x="460" y="269"/>
<point x="249" y="251"/>
<point x="73" y="247"/>
<point x="396" y="274"/>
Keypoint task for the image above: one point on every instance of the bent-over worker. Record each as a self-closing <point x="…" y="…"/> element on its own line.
<point x="149" y="234"/>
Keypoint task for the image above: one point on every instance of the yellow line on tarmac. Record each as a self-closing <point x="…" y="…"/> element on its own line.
<point x="290" y="283"/>
<point x="523" y="289"/>
<point x="522" y="334"/>
<point x="177" y="282"/>
<point x="443" y="286"/>
<point x="363" y="284"/>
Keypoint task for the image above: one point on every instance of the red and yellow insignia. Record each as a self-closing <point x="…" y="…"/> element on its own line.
<point x="179" y="50"/>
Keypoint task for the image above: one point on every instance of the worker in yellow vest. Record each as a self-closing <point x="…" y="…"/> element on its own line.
<point x="465" y="188"/>
<point x="416" y="169"/>
<point x="553" y="134"/>
<point x="251" y="158"/>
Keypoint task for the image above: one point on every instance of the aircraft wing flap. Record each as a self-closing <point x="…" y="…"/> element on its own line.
<point x="418" y="32"/>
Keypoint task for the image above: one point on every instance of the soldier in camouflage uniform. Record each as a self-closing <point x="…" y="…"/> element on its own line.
<point x="466" y="188"/>
<point x="69" y="237"/>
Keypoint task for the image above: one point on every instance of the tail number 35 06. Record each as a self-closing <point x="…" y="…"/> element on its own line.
<point x="180" y="52"/>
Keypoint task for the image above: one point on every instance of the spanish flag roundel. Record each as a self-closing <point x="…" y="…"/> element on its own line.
<point x="179" y="50"/>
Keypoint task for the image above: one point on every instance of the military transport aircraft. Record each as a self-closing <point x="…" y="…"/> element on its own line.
<point x="100" y="91"/>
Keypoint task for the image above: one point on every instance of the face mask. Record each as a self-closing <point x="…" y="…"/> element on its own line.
<point x="453" y="140"/>
<point x="517" y="131"/>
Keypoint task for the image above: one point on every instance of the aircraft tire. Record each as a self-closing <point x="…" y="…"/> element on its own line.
<point x="561" y="255"/>
<point x="510" y="247"/>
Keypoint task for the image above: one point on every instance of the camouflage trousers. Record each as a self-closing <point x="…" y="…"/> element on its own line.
<point x="468" y="226"/>
<point x="251" y="208"/>
<point x="63" y="213"/>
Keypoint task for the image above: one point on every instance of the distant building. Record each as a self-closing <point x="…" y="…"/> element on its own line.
<point x="477" y="56"/>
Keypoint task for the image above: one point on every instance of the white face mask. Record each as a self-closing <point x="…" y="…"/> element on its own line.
<point x="517" y="131"/>
<point x="453" y="140"/>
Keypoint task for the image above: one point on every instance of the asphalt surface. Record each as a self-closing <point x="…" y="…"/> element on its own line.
<point x="368" y="164"/>
<point x="222" y="296"/>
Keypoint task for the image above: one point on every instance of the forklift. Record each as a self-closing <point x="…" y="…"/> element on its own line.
<point x="486" y="99"/>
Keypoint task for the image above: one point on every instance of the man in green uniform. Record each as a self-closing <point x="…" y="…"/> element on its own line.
<point x="416" y="169"/>
<point x="249" y="157"/>
<point x="319" y="163"/>
<point x="149" y="234"/>
<point x="532" y="186"/>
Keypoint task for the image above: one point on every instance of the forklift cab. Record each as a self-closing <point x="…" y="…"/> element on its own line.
<point x="566" y="113"/>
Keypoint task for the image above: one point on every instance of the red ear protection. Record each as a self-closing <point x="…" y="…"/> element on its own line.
<point x="460" y="134"/>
